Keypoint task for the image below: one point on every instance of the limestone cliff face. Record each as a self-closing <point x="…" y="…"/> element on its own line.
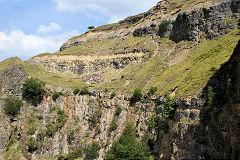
<point x="216" y="20"/>
<point x="196" y="131"/>
<point x="12" y="78"/>
<point x="193" y="133"/>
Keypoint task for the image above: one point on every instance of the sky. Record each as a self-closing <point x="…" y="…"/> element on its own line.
<point x="31" y="27"/>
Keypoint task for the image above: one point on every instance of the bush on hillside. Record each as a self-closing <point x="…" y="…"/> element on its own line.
<point x="32" y="145"/>
<point x="84" y="90"/>
<point x="12" y="106"/>
<point x="153" y="121"/>
<point x="91" y="151"/>
<point x="113" y="94"/>
<point x="76" y="91"/>
<point x="137" y="94"/>
<point x="55" y="96"/>
<point x="91" y="27"/>
<point x="33" y="90"/>
<point x="152" y="91"/>
<point x="169" y="109"/>
<point x="118" y="110"/>
<point x="128" y="147"/>
<point x="163" y="27"/>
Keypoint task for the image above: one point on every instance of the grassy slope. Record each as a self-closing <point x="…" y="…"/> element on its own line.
<point x="107" y="45"/>
<point x="54" y="79"/>
<point x="189" y="75"/>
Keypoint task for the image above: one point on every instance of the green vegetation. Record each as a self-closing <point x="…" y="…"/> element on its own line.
<point x="153" y="121"/>
<point x="91" y="151"/>
<point x="12" y="106"/>
<point x="152" y="91"/>
<point x="32" y="145"/>
<point x="106" y="90"/>
<point x="113" y="94"/>
<point x="56" y="95"/>
<point x="70" y="135"/>
<point x="210" y="95"/>
<point x="13" y="140"/>
<point x="84" y="90"/>
<point x="137" y="94"/>
<point x="96" y="116"/>
<point x="169" y="109"/>
<point x="50" y="129"/>
<point x="128" y="147"/>
<point x="54" y="78"/>
<point x="41" y="136"/>
<point x="118" y="110"/>
<point x="33" y="90"/>
<point x="190" y="73"/>
<point x="227" y="152"/>
<point x="113" y="125"/>
<point x="73" y="155"/>
<point x="91" y="27"/>
<point x="106" y="45"/>
<point x="209" y="105"/>
<point x="76" y="91"/>
<point x="163" y="27"/>
<point x="32" y="130"/>
<point x="61" y="119"/>
<point x="164" y="127"/>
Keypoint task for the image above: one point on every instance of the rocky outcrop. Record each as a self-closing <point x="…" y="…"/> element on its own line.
<point x="88" y="64"/>
<point x="216" y="20"/>
<point x="225" y="117"/>
<point x="12" y="78"/>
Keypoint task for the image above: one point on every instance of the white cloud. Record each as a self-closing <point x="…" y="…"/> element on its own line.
<point x="52" y="27"/>
<point x="16" y="43"/>
<point x="115" y="9"/>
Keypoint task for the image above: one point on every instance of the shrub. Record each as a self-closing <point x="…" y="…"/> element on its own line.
<point x="73" y="155"/>
<point x="113" y="125"/>
<point x="113" y="94"/>
<point x="98" y="130"/>
<point x="164" y="127"/>
<point x="163" y="27"/>
<point x="50" y="129"/>
<point x="153" y="121"/>
<point x="128" y="147"/>
<point x="84" y="90"/>
<point x="106" y="90"/>
<point x="152" y="91"/>
<point x="33" y="90"/>
<point x="32" y="130"/>
<point x="169" y="109"/>
<point x="40" y="117"/>
<point x="96" y="116"/>
<point x="91" y="151"/>
<point x="61" y="119"/>
<point x="70" y="135"/>
<point x="12" y="106"/>
<point x="210" y="97"/>
<point x="118" y="111"/>
<point x="55" y="96"/>
<point x="32" y="145"/>
<point x="41" y="136"/>
<point x="76" y="91"/>
<point x="91" y="27"/>
<point x="137" y="94"/>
